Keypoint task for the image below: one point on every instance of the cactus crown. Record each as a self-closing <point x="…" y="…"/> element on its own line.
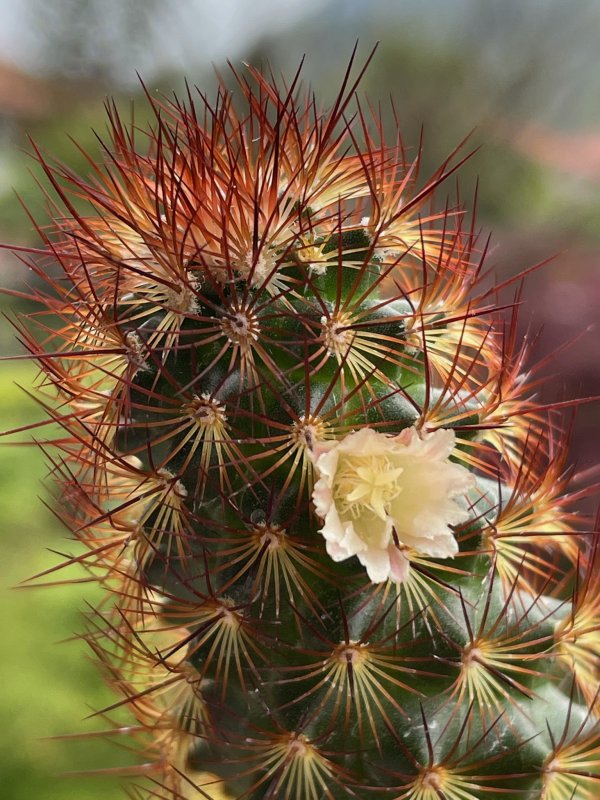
<point x="302" y="453"/>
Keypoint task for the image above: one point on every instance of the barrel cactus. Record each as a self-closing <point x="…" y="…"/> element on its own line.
<point x="302" y="454"/>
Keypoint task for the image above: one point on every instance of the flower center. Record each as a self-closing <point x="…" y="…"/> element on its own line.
<point x="366" y="483"/>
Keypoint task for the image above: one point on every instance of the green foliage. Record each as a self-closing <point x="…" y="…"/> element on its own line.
<point x="46" y="688"/>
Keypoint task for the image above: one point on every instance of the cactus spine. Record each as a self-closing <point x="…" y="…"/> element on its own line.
<point x="302" y="454"/>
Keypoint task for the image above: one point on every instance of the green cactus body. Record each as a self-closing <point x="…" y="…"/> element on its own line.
<point x="274" y="353"/>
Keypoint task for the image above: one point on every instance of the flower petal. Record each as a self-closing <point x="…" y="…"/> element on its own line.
<point x="377" y="563"/>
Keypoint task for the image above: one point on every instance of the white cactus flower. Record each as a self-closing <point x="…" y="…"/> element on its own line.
<point x="381" y="497"/>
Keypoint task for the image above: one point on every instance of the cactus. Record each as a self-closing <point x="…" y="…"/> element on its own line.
<point x="302" y="453"/>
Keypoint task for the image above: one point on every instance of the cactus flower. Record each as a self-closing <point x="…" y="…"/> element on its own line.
<point x="381" y="497"/>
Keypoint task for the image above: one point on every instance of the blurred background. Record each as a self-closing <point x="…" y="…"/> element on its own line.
<point x="523" y="78"/>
